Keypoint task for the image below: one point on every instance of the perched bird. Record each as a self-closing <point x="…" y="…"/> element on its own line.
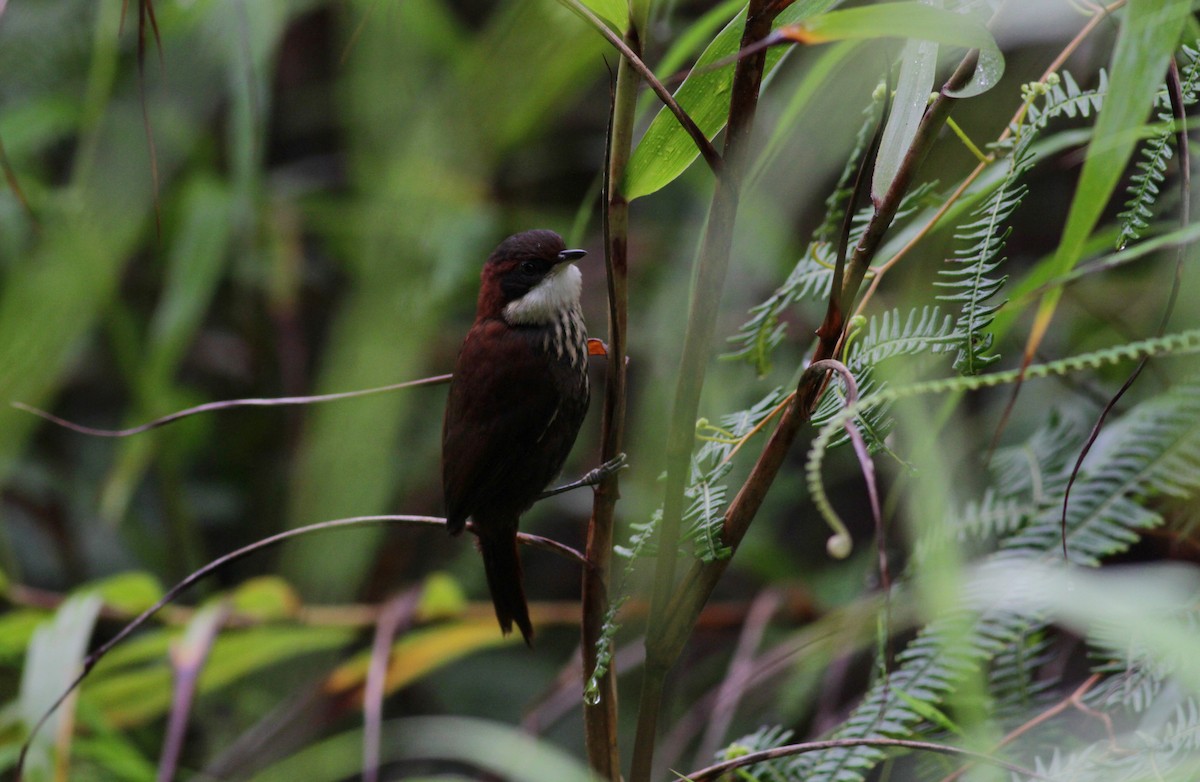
<point x="517" y="399"/>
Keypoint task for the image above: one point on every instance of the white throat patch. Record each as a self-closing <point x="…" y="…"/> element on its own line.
<point x="558" y="292"/>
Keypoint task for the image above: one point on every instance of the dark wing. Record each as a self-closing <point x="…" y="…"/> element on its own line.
<point x="505" y="435"/>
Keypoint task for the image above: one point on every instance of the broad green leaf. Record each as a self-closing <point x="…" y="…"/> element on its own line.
<point x="16" y="628"/>
<point x="266" y="597"/>
<point x="918" y="60"/>
<point x="441" y="596"/>
<point x="615" y="11"/>
<point x="686" y="43"/>
<point x="130" y="593"/>
<point x="150" y="645"/>
<point x="504" y="751"/>
<point x="1147" y="37"/>
<point x="116" y="757"/>
<point x="819" y="70"/>
<point x="666" y="150"/>
<point x="132" y="696"/>
<point x="913" y="20"/>
<point x="52" y="661"/>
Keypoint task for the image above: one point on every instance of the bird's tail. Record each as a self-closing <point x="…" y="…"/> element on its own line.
<point x="502" y="564"/>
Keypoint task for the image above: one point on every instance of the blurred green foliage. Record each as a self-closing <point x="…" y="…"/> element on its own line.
<point x="294" y="197"/>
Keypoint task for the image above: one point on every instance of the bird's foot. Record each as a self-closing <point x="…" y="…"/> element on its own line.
<point x="591" y="478"/>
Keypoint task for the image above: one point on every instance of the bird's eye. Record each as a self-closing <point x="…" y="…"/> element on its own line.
<point x="529" y="267"/>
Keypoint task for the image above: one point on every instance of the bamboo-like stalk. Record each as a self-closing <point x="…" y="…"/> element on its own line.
<point x="708" y="284"/>
<point x="600" y="715"/>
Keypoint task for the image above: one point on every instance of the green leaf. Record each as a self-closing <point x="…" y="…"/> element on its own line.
<point x="666" y="150"/>
<point x="930" y="712"/>
<point x="615" y="11"/>
<point x="266" y="598"/>
<point x="52" y="660"/>
<point x="441" y="597"/>
<point x="116" y="758"/>
<point x="506" y="752"/>
<point x="16" y="628"/>
<point x="693" y="38"/>
<point x="133" y="696"/>
<point x="130" y="593"/>
<point x="1146" y="40"/>
<point x="896" y="20"/>
<point x="918" y="61"/>
<point x="913" y="20"/>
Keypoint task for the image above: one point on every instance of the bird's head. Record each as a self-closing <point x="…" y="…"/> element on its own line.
<point x="530" y="279"/>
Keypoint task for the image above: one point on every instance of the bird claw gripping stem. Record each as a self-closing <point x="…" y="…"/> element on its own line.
<point x="591" y="478"/>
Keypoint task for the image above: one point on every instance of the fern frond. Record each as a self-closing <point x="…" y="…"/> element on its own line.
<point x="1025" y="479"/>
<point x="892" y="334"/>
<point x="1159" y="455"/>
<point x="1146" y="184"/>
<point x="886" y="336"/>
<point x="704" y="518"/>
<point x="1154" y="442"/>
<point x="604" y="648"/>
<point x="1160" y="747"/>
<point x="933" y="665"/>
<point x="1029" y="469"/>
<point x="758" y="337"/>
<point x="970" y="279"/>
<point x="810" y="278"/>
<point x="1013" y="679"/>
<point x="1058" y="101"/>
<point x="1182" y="343"/>
<point x="766" y="737"/>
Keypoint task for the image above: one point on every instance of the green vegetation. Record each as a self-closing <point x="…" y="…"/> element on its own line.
<point x="910" y="401"/>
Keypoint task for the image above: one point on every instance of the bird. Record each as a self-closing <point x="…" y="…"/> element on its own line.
<point x="517" y="398"/>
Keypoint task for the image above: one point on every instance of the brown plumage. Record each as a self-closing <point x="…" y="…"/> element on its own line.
<point x="516" y="402"/>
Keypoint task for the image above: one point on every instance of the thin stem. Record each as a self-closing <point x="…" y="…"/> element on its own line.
<point x="227" y="404"/>
<point x="628" y="55"/>
<point x="396" y="615"/>
<point x="975" y="151"/>
<point x="187" y="658"/>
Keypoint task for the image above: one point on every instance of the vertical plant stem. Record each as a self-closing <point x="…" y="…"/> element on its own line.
<point x="708" y="283"/>
<point x="600" y="716"/>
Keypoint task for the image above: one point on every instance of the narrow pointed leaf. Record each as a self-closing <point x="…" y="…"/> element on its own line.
<point x="1147" y="38"/>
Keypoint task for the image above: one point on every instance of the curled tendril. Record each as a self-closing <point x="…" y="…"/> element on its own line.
<point x="1182" y="343"/>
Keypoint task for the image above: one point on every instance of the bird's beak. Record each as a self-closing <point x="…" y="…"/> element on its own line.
<point x="571" y="255"/>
